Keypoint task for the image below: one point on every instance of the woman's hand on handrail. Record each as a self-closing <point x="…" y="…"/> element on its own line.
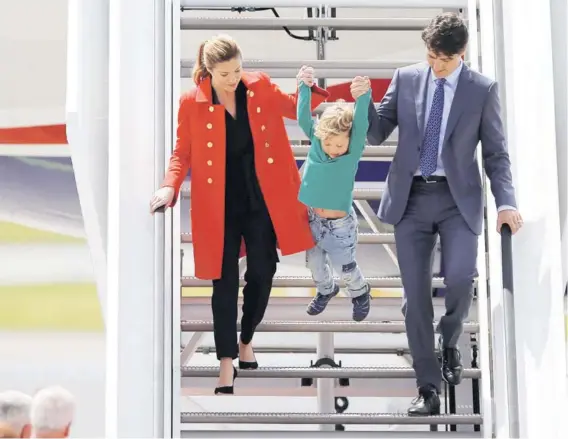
<point x="161" y="199"/>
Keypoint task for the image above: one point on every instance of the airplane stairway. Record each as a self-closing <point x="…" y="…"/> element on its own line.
<point x="333" y="382"/>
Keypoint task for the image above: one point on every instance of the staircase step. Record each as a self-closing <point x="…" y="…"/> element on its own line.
<point x="293" y="309"/>
<point x="318" y="64"/>
<point x="364" y="238"/>
<point x="272" y="23"/>
<point x="297" y="349"/>
<point x="385" y="152"/>
<point x="325" y="68"/>
<point x="307" y="282"/>
<point x="318" y="434"/>
<point x="326" y="418"/>
<point x="317" y="326"/>
<point x="358" y="193"/>
<point x="316" y="372"/>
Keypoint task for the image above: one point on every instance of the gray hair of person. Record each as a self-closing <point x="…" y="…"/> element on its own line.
<point x="15" y="409"/>
<point x="53" y="410"/>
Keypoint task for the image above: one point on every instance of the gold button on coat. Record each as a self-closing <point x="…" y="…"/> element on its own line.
<point x="263" y="128"/>
<point x="211" y="108"/>
<point x="209" y="144"/>
<point x="270" y="160"/>
<point x="209" y="180"/>
<point x="209" y="126"/>
<point x="209" y="163"/>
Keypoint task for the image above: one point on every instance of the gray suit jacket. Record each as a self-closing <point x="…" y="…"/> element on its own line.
<point x="475" y="116"/>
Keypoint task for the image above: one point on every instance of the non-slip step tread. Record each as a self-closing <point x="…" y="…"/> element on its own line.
<point x="378" y="238"/>
<point x="369" y="151"/>
<point x="363" y="238"/>
<point x="317" y="326"/>
<point x="293" y="23"/>
<point x="292" y="64"/>
<point x="316" y="372"/>
<point x="320" y="434"/>
<point x="358" y="193"/>
<point x="326" y="418"/>
<point x="307" y="282"/>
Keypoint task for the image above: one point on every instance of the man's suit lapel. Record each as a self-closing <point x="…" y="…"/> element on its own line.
<point x="420" y="93"/>
<point x="460" y="101"/>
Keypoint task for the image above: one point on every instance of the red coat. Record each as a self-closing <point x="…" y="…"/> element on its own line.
<point x="201" y="146"/>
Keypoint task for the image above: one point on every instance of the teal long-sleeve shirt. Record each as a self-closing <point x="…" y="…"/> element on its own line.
<point x="328" y="182"/>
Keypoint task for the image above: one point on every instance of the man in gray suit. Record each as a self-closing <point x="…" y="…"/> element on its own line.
<point x="442" y="110"/>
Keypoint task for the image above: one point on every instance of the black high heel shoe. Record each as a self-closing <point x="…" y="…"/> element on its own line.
<point x="250" y="365"/>
<point x="227" y="390"/>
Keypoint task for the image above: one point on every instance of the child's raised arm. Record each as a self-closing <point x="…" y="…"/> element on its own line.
<point x="360" y="123"/>
<point x="304" y="111"/>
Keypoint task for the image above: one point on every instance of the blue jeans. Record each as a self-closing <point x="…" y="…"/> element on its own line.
<point x="336" y="243"/>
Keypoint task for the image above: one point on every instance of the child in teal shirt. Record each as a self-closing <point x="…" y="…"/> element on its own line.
<point x="338" y="141"/>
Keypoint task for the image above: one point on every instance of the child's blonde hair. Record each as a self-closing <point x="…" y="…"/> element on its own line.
<point x="336" y="119"/>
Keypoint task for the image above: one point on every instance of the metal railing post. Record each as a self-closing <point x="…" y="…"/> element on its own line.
<point x="326" y="345"/>
<point x="326" y="386"/>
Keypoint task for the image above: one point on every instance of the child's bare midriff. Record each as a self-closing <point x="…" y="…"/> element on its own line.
<point x="329" y="213"/>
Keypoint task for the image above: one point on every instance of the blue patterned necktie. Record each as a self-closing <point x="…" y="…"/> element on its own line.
<point x="429" y="151"/>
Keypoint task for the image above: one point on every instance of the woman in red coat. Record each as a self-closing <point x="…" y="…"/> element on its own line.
<point x="244" y="186"/>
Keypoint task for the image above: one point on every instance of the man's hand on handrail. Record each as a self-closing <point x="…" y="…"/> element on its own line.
<point x="512" y="218"/>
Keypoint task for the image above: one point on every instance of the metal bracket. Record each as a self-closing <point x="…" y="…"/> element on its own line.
<point x="324" y="362"/>
<point x="341" y="404"/>
<point x="332" y="32"/>
<point x="321" y="39"/>
<point x="241" y="9"/>
<point x="310" y="13"/>
<point x="191" y="348"/>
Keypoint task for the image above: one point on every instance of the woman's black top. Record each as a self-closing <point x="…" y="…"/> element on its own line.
<point x="242" y="190"/>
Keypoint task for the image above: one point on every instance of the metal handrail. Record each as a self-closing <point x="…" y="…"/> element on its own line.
<point x="510" y="340"/>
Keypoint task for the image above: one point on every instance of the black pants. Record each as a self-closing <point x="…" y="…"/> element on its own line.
<point x="260" y="240"/>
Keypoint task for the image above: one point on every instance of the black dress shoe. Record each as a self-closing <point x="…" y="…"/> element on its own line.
<point x="450" y="359"/>
<point x="426" y="404"/>
<point x="452" y="368"/>
<point x="227" y="390"/>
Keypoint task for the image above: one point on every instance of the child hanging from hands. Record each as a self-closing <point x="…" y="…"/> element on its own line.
<point x="337" y="144"/>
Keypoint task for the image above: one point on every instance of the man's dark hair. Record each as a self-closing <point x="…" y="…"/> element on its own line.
<point x="446" y="34"/>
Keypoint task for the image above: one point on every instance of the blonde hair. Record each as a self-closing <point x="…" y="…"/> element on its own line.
<point x="335" y="120"/>
<point x="220" y="48"/>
